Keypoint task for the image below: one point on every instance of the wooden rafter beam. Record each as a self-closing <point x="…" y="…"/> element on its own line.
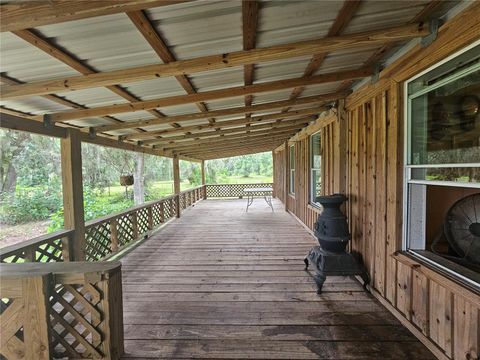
<point x="422" y="16"/>
<point x="249" y="29"/>
<point x="210" y="95"/>
<point x="228" y="124"/>
<point x="70" y="60"/>
<point x="237" y="149"/>
<point x="240" y="145"/>
<point x="239" y="135"/>
<point x="204" y="152"/>
<point x="156" y="41"/>
<point x="224" y="140"/>
<point x="344" y="16"/>
<point x="20" y="123"/>
<point x="297" y="124"/>
<point x="313" y="100"/>
<point x="213" y="62"/>
<point x="19" y="15"/>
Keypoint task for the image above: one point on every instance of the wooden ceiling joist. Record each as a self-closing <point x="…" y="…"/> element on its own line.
<point x="226" y="140"/>
<point x="156" y="41"/>
<point x="227" y="124"/>
<point x="239" y="135"/>
<point x="424" y="15"/>
<point x="293" y="124"/>
<point x="206" y="152"/>
<point x="210" y="95"/>
<point x="43" y="44"/>
<point x="247" y="144"/>
<point x="314" y="100"/>
<point x="344" y="16"/>
<point x="233" y="150"/>
<point x="213" y="62"/>
<point x="18" y="15"/>
<point x="249" y="30"/>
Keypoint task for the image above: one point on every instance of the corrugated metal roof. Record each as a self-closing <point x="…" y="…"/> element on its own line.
<point x="191" y="30"/>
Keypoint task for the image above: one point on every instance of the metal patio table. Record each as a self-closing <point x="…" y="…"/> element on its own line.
<point x="265" y="192"/>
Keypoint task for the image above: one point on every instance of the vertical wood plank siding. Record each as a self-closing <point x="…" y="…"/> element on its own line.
<point x="441" y="312"/>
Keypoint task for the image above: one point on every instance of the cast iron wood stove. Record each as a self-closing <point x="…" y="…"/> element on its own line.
<point x="331" y="257"/>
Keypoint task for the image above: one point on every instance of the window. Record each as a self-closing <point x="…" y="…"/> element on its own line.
<point x="442" y="171"/>
<point x="291" y="164"/>
<point x="315" y="167"/>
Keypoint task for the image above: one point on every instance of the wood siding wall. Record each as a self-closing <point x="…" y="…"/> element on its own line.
<point x="299" y="204"/>
<point x="440" y="311"/>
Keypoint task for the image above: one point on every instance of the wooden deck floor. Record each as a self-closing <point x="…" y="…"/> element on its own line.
<point x="222" y="283"/>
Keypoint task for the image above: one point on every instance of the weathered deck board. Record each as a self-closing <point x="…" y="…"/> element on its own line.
<point x="220" y="283"/>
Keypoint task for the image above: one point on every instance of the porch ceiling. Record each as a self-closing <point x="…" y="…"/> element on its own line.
<point x="202" y="106"/>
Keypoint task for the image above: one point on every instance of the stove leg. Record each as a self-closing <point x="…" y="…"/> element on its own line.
<point x="305" y="260"/>
<point x="319" y="280"/>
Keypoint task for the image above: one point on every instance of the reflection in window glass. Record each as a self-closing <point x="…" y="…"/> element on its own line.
<point x="316" y="167"/>
<point x="445" y="118"/>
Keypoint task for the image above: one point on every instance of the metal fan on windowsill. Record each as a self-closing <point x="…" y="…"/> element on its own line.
<point x="462" y="231"/>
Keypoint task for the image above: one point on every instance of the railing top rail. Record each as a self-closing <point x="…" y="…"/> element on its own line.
<point x="191" y="189"/>
<point x="72" y="272"/>
<point x="253" y="184"/>
<point x="35" y="241"/>
<point x="94" y="222"/>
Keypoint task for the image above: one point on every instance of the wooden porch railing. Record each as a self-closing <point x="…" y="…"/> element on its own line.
<point x="106" y="236"/>
<point x="61" y="310"/>
<point x="232" y="190"/>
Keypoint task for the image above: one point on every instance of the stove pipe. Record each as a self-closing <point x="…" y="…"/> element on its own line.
<point x="331" y="228"/>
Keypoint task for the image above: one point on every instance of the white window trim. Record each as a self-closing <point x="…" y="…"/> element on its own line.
<point x="407" y="168"/>
<point x="310" y="190"/>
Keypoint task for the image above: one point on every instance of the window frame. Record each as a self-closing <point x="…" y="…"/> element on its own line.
<point x="408" y="167"/>
<point x="312" y="191"/>
<point x="291" y="170"/>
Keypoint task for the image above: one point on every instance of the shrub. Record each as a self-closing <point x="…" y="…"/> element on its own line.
<point x="30" y="204"/>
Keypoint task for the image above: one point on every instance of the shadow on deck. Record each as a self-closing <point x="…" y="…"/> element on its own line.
<point x="222" y="283"/>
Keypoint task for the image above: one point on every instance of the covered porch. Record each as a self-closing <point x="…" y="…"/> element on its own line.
<point x="223" y="283"/>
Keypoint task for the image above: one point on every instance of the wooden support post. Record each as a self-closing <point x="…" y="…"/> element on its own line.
<point x="273" y="173"/>
<point x="112" y="326"/>
<point x="177" y="205"/>
<point x="162" y="212"/>
<point x="134" y="225"/>
<point x="150" y="218"/>
<point x="114" y="234"/>
<point x="287" y="174"/>
<point x="176" y="175"/>
<point x="202" y="167"/>
<point x="71" y="154"/>
<point x="36" y="327"/>
<point x="176" y="184"/>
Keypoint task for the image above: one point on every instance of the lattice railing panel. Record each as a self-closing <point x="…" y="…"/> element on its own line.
<point x="45" y="248"/>
<point x="12" y="318"/>
<point x="168" y="209"/>
<point x="50" y="251"/>
<point x="142" y="220"/>
<point x="183" y="202"/>
<point x="98" y="241"/>
<point x="18" y="257"/>
<point x="158" y="214"/>
<point x="125" y="229"/>
<point x="76" y="318"/>
<point x="233" y="190"/>
<point x="104" y="236"/>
